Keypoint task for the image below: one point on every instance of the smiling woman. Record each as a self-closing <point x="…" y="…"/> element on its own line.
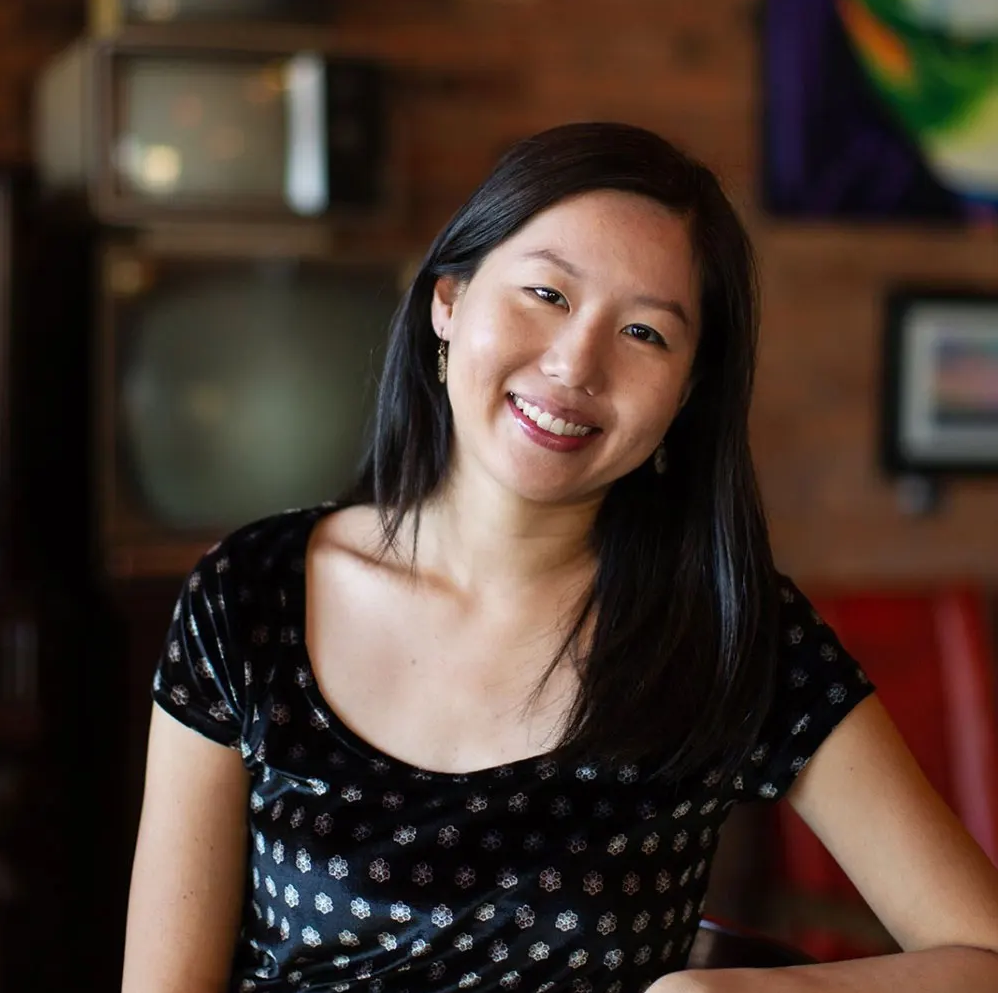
<point x="487" y="714"/>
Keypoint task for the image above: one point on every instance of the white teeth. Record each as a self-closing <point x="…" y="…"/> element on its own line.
<point x="544" y="420"/>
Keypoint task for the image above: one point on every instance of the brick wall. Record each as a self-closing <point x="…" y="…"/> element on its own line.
<point x="479" y="73"/>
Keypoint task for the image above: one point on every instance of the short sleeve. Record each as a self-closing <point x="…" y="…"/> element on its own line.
<point x="817" y="684"/>
<point x="199" y="679"/>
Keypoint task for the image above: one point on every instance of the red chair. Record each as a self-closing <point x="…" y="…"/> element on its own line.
<point x="931" y="657"/>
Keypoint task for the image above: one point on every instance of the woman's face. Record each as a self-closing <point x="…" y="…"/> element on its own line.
<point x="572" y="345"/>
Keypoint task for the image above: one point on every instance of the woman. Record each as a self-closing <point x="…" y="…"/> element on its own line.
<point x="486" y="716"/>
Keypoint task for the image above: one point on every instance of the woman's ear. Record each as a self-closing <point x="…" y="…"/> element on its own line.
<point x="446" y="292"/>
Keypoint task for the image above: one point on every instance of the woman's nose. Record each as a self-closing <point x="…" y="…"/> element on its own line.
<point x="575" y="355"/>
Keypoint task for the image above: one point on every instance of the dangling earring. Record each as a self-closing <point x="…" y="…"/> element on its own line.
<point x="442" y="361"/>
<point x="661" y="459"/>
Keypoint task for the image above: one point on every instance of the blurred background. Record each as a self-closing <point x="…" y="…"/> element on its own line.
<point x="208" y="210"/>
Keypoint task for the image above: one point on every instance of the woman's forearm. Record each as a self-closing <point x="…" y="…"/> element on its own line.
<point x="936" y="970"/>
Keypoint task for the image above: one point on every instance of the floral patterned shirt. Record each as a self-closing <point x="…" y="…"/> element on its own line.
<point x="368" y="874"/>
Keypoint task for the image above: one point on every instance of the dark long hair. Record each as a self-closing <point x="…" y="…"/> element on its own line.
<point x="680" y="666"/>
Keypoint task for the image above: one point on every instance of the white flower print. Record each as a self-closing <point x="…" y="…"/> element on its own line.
<point x="682" y="810"/>
<point x="768" y="790"/>
<point x="437" y="969"/>
<point x="388" y="941"/>
<point x="278" y="851"/>
<point x="628" y="773"/>
<point x="577" y="844"/>
<point x="539" y="951"/>
<point x="323" y="903"/>
<point x="341" y="961"/>
<point x="468" y="980"/>
<point x="550" y="879"/>
<point x="302" y="676"/>
<point x="836" y="693"/>
<point x="464" y="942"/>
<point x="290" y="896"/>
<point x="798" y="678"/>
<point x="285" y="929"/>
<point x="311" y="937"/>
<point x="419" y="947"/>
<point x="360" y="908"/>
<point x="647" y="810"/>
<point x="641" y="922"/>
<point x="277" y="809"/>
<point x="271" y="917"/>
<point x="613" y="959"/>
<point x="567" y="920"/>
<point x="710" y="806"/>
<point x="607" y="924"/>
<point x="303" y="861"/>
<point x="349" y="939"/>
<point x="422" y="873"/>
<point x="663" y="881"/>
<point x="247" y="986"/>
<point x="476" y="803"/>
<point x="650" y="844"/>
<point x="738" y="782"/>
<point x="603" y="809"/>
<point x="524" y="917"/>
<point x="465" y="877"/>
<point x="700" y="869"/>
<point x="506" y="878"/>
<point x="586" y="773"/>
<point x="323" y="825"/>
<point x="319" y="788"/>
<point x="798" y="764"/>
<point x="617" y="844"/>
<point x="510" y="981"/>
<point x="828" y="653"/>
<point x="631" y="884"/>
<point x="256" y="802"/>
<point x="578" y="959"/>
<point x="679" y="842"/>
<point x="666" y="951"/>
<point x="795" y="635"/>
<point x="400" y="913"/>
<point x="533" y="841"/>
<point x="280" y="713"/>
<point x="561" y="806"/>
<point x="351" y="794"/>
<point x="261" y="843"/>
<point x="642" y="955"/>
<point x="204" y="668"/>
<point x="361" y="831"/>
<point x="498" y="951"/>
<point x="668" y="918"/>
<point x="485" y="912"/>
<point x="448" y="836"/>
<point x="518" y="803"/>
<point x="256" y="878"/>
<point x="706" y="836"/>
<point x="592" y="883"/>
<point x="257" y="910"/>
<point x="404" y="835"/>
<point x="492" y="841"/>
<point x="712" y="778"/>
<point x="392" y="801"/>
<point x="318" y="720"/>
<point x="271" y="886"/>
<point x="338" y="867"/>
<point x="220" y="710"/>
<point x="379" y="871"/>
<point x="759" y="754"/>
<point x="380" y="766"/>
<point x="547" y="768"/>
<point x="180" y="695"/>
<point x="801" y="724"/>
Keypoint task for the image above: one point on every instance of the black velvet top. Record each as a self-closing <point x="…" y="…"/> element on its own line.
<point x="368" y="874"/>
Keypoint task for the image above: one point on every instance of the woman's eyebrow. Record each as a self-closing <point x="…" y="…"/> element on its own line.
<point x="673" y="307"/>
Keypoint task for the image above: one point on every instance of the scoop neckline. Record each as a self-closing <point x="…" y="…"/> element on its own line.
<point x="350" y="737"/>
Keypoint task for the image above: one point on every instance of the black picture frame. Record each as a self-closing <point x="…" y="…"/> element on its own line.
<point x="940" y="382"/>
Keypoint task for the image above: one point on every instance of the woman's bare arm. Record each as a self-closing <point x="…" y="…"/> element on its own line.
<point x="188" y="876"/>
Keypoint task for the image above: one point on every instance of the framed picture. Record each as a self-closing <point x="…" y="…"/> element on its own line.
<point x="878" y="110"/>
<point x="941" y="383"/>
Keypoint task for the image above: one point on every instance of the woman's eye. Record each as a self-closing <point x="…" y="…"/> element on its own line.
<point x="644" y="333"/>
<point x="548" y="295"/>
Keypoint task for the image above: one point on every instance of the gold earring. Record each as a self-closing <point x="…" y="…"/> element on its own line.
<point x="442" y="361"/>
<point x="661" y="459"/>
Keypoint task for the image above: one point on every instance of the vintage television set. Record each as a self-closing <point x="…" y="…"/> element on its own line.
<point x="233" y="384"/>
<point x="268" y="131"/>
